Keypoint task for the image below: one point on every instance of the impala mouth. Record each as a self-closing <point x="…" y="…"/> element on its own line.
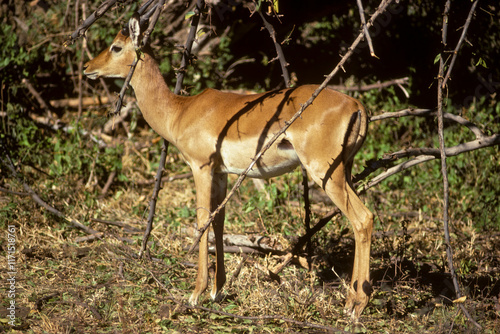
<point x="92" y="76"/>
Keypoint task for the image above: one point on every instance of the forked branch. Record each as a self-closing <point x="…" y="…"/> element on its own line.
<point x="365" y="28"/>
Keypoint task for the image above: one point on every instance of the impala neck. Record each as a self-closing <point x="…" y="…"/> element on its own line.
<point x="158" y="104"/>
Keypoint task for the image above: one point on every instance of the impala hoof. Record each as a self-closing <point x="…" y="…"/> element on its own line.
<point x="193" y="299"/>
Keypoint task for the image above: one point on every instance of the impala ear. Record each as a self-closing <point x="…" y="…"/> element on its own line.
<point x="134" y="27"/>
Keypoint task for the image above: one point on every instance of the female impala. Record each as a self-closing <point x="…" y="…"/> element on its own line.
<point x="219" y="133"/>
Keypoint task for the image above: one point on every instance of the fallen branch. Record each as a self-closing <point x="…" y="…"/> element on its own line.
<point x="42" y="203"/>
<point x="126" y="227"/>
<point x="12" y="192"/>
<point x="165" y="179"/>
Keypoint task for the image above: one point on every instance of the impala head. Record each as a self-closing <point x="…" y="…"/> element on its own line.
<point x="115" y="61"/>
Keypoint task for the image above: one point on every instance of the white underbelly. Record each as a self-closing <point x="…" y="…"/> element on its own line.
<point x="274" y="162"/>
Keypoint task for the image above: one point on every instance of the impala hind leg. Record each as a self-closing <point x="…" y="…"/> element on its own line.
<point x="339" y="190"/>
<point x="219" y="187"/>
<point x="210" y="190"/>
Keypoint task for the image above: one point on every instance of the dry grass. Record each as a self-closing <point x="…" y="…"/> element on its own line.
<point x="101" y="287"/>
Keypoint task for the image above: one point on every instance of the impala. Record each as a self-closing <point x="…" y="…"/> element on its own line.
<point x="219" y="133"/>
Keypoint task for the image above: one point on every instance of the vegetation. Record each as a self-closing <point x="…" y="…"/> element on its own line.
<point x="68" y="152"/>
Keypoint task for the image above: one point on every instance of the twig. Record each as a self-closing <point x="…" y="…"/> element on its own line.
<point x="383" y="5"/>
<point x="152" y="22"/>
<point x="80" y="66"/>
<point x="286" y="78"/>
<point x="365" y="28"/>
<point x="186" y="54"/>
<point x="12" y="192"/>
<point x="378" y="85"/>
<point x="38" y="97"/>
<point x="430" y="154"/>
<point x="459" y="44"/>
<point x="108" y="184"/>
<point x="92" y="309"/>
<point x="279" y="50"/>
<point x="119" y="224"/>
<point x="165" y="179"/>
<point x="80" y="31"/>
<point x="154" y="197"/>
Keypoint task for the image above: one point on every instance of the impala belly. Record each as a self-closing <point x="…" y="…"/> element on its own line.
<point x="279" y="159"/>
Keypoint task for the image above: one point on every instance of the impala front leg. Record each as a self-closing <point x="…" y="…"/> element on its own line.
<point x="202" y="181"/>
<point x="210" y="191"/>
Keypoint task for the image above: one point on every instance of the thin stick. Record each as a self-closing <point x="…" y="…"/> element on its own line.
<point x="442" y="148"/>
<point x="279" y="50"/>
<point x="365" y="28"/>
<point x="155" y="11"/>
<point x="422" y="155"/>
<point x="378" y="85"/>
<point x="188" y="47"/>
<point x="383" y="5"/>
<point x="459" y="44"/>
<point x="80" y="31"/>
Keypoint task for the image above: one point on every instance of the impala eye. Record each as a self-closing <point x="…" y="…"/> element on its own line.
<point x="116" y="49"/>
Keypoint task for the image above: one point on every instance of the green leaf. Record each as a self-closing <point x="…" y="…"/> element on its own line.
<point x="438" y="57"/>
<point x="482" y="63"/>
<point x="189" y="14"/>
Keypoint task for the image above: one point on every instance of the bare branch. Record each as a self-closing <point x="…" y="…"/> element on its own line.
<point x="279" y="50"/>
<point x="459" y="44"/>
<point x="428" y="112"/>
<point x="156" y="10"/>
<point x="378" y="85"/>
<point x="80" y="31"/>
<point x="365" y="28"/>
<point x="421" y="155"/>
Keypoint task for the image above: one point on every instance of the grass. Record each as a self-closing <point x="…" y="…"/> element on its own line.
<point x="65" y="285"/>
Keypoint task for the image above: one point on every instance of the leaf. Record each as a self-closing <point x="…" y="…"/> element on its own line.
<point x="438" y="57"/>
<point x="482" y="63"/>
<point x="189" y="14"/>
<point x="460" y="300"/>
<point x="276" y="6"/>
